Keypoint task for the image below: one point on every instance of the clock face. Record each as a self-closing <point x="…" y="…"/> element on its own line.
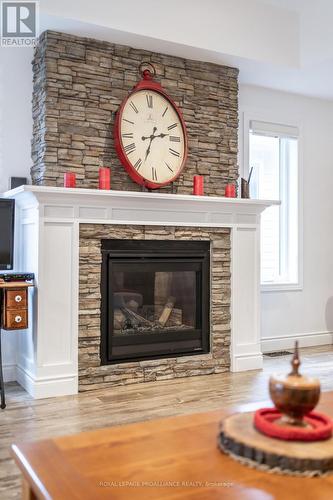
<point x="152" y="137"/>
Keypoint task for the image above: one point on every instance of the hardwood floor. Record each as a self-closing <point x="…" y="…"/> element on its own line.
<point x="28" y="419"/>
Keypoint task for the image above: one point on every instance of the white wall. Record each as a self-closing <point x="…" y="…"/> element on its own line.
<point x="15" y="113"/>
<point x="306" y="314"/>
<point x="15" y="137"/>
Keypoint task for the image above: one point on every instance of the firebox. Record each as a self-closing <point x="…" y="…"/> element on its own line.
<point x="155" y="299"/>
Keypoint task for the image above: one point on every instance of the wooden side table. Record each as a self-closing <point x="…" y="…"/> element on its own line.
<point x="13" y="315"/>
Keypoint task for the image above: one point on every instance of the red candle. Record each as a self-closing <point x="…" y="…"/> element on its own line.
<point x="69" y="180"/>
<point x="230" y="191"/>
<point x="198" y="185"/>
<point x="104" y="178"/>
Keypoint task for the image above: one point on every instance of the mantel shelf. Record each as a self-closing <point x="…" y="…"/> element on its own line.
<point x="138" y="195"/>
<point x="138" y="208"/>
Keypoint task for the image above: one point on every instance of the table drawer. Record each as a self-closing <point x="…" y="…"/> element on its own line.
<point x="16" y="299"/>
<point x="15" y="319"/>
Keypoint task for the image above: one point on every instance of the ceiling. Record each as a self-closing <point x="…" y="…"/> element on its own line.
<point x="281" y="44"/>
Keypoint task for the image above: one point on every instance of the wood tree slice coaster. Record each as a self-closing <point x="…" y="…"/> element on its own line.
<point x="239" y="438"/>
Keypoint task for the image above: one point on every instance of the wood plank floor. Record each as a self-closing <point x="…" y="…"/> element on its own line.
<point x="28" y="419"/>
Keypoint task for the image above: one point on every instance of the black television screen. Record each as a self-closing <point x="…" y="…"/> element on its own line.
<point x="7" y="208"/>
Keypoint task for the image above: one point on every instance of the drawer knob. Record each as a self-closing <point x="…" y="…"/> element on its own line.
<point x="18" y="319"/>
<point x="18" y="298"/>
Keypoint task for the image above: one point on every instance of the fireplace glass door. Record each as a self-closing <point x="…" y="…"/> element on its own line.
<point x="155" y="299"/>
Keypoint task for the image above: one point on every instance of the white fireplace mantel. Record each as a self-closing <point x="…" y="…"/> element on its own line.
<point x="47" y="244"/>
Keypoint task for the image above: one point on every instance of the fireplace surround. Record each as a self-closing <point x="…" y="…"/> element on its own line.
<point x="155" y="299"/>
<point x="95" y="242"/>
<point x="59" y="234"/>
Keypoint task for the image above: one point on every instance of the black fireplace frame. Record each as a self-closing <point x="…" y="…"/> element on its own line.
<point x="189" y="254"/>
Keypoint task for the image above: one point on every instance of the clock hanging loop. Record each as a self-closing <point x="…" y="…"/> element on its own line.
<point x="145" y="70"/>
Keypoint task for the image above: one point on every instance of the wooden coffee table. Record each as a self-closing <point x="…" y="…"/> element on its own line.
<point x="170" y="458"/>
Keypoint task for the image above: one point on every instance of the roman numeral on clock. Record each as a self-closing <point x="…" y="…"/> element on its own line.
<point x="154" y="173"/>
<point x="168" y="167"/>
<point x="127" y="136"/>
<point x="134" y="107"/>
<point x="174" y="153"/>
<point x="129" y="148"/>
<point x="138" y="164"/>
<point x="170" y="127"/>
<point x="166" y="109"/>
<point x="149" y="100"/>
<point x="128" y="121"/>
<point x="173" y="138"/>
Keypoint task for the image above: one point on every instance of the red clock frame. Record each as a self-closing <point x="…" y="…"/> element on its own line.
<point x="147" y="83"/>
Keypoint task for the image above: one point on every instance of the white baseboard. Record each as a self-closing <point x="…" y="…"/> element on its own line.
<point x="47" y="387"/>
<point x="244" y="362"/>
<point x="9" y="373"/>
<point x="269" y="344"/>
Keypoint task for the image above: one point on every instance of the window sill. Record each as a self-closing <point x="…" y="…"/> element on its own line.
<point x="281" y="287"/>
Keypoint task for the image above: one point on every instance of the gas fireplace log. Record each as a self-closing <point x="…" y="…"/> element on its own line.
<point x="153" y="312"/>
<point x="118" y="319"/>
<point x="124" y="299"/>
<point x="136" y="318"/>
<point x="167" y="310"/>
<point x="162" y="289"/>
<point x="175" y="318"/>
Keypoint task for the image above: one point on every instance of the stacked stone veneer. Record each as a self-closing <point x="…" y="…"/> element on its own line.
<point x="91" y="374"/>
<point x="78" y="86"/>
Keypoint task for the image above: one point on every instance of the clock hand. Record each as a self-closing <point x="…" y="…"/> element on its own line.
<point x="148" y="151"/>
<point x="151" y="139"/>
<point x="153" y="136"/>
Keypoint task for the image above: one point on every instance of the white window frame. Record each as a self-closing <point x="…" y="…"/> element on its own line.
<point x="248" y="115"/>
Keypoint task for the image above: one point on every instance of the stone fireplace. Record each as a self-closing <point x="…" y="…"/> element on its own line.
<point x="195" y="339"/>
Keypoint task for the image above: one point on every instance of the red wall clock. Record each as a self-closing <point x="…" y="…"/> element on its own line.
<point x="150" y="134"/>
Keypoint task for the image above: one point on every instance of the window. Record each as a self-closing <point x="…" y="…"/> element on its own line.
<point x="273" y="154"/>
